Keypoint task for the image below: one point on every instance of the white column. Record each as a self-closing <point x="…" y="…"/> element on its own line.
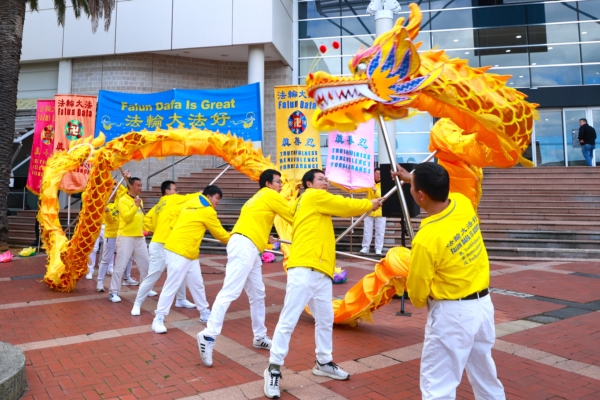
<point x="384" y="21"/>
<point x="295" y="33"/>
<point x="256" y="73"/>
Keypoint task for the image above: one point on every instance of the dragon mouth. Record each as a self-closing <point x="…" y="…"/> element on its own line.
<point x="332" y="97"/>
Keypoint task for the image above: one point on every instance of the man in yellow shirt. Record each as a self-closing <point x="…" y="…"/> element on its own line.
<point x="375" y="219"/>
<point x="244" y="265"/>
<point x="450" y="274"/>
<point x="310" y="272"/>
<point x="131" y="242"/>
<point x="182" y="250"/>
<point x="157" y="221"/>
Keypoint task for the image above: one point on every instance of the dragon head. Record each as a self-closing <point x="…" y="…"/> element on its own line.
<point x="385" y="80"/>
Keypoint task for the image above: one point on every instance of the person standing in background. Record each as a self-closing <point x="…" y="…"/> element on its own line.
<point x="375" y="219"/>
<point x="587" y="138"/>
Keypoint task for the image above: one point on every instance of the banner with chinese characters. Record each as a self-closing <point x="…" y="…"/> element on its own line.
<point x="350" y="158"/>
<point x="298" y="143"/>
<point x="43" y="144"/>
<point x="75" y="117"/>
<point x="236" y="110"/>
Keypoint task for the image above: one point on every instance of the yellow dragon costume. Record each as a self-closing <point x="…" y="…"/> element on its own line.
<point x="482" y="123"/>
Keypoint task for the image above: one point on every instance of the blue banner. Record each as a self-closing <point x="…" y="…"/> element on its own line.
<point x="235" y="110"/>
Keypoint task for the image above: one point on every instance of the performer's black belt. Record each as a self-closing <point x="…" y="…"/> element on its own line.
<point x="476" y="295"/>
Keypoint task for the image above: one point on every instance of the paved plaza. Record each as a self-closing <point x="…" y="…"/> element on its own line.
<point x="81" y="346"/>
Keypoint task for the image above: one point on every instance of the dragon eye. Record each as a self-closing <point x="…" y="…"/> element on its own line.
<point x="362" y="67"/>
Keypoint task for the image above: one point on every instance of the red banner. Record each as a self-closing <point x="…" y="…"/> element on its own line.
<point x="43" y="143"/>
<point x="75" y="119"/>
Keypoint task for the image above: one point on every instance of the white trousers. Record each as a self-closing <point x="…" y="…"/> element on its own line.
<point x="92" y="256"/>
<point x="243" y="271"/>
<point x="129" y="247"/>
<point x="459" y="335"/>
<point x="108" y="259"/>
<point x="155" y="270"/>
<point x="312" y="288"/>
<point x="180" y="269"/>
<point x="379" y="223"/>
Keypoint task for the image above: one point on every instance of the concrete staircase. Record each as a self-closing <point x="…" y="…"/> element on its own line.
<point x="541" y="213"/>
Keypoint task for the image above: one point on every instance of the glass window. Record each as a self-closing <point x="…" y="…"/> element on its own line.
<point x="412" y="143"/>
<point x="590" y="52"/>
<point x="519" y="79"/>
<point x="351" y="45"/>
<point x="310" y="48"/>
<point x="591" y="76"/>
<point x="358" y="26"/>
<point x="468" y="55"/>
<point x="551" y="12"/>
<point x="416" y="122"/>
<point x="589" y="10"/>
<point x="445" y="4"/>
<point x="319" y="28"/>
<point x="562" y="54"/>
<point x="355" y="7"/>
<point x="319" y="9"/>
<point x="502" y="37"/>
<point x="549" y="138"/>
<point x="505" y="58"/>
<point x="555" y="76"/>
<point x="574" y="154"/>
<point x="500" y="16"/>
<point x="458" y="19"/>
<point x="589" y="31"/>
<point x="453" y="39"/>
<point x="425" y="39"/>
<point x="562" y="33"/>
<point x="331" y="65"/>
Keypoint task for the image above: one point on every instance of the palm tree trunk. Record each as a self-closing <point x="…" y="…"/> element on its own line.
<point x="12" y="17"/>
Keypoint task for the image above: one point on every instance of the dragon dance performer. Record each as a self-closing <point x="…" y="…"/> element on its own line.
<point x="182" y="249"/>
<point x="157" y="220"/>
<point x="450" y="274"/>
<point x="244" y="265"/>
<point x="310" y="271"/>
<point x="131" y="242"/>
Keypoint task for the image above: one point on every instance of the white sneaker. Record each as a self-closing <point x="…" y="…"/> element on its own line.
<point x="99" y="287"/>
<point x="205" y="345"/>
<point x="364" y="250"/>
<point x="136" y="310"/>
<point x="89" y="274"/>
<point x="184" y="304"/>
<point x="378" y="252"/>
<point x="152" y="293"/>
<point x="158" y="324"/>
<point x="114" y="298"/>
<point x="271" y="387"/>
<point x="262" y="343"/>
<point x="130" y="282"/>
<point x="204" y="315"/>
<point x="109" y="272"/>
<point x="330" y="370"/>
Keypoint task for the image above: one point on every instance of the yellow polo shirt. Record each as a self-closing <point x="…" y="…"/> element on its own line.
<point x="375" y="194"/>
<point x="448" y="259"/>
<point x="111" y="215"/>
<point x="158" y="221"/>
<point x="131" y="217"/>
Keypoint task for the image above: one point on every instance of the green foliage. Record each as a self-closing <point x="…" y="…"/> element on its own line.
<point x="96" y="9"/>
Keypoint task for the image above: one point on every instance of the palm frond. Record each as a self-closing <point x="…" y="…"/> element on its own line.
<point x="101" y="9"/>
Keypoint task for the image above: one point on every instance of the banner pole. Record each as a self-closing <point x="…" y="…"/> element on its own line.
<point x="69" y="215"/>
<point x="341" y="253"/>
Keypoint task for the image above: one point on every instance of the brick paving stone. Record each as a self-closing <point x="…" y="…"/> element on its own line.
<point x="587" y="267"/>
<point x="547" y="284"/>
<point x="511" y="308"/>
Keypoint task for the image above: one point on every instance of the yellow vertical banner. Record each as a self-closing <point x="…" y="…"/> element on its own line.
<point x="298" y="143"/>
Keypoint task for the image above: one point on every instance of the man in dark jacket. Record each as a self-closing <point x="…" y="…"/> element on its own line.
<point x="587" y="138"/>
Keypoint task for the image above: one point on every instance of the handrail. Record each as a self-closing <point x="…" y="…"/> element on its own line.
<point x="164" y="169"/>
<point x="20" y="141"/>
<point x="220" y="174"/>
<point x="19" y="165"/>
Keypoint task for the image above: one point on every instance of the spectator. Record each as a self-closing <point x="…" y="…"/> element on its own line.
<point x="587" y="138"/>
<point x="374" y="219"/>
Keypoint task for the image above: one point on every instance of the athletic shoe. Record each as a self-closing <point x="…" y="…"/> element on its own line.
<point x="130" y="282"/>
<point x="271" y="387"/>
<point x="204" y="315"/>
<point x="114" y="298"/>
<point x="136" y="309"/>
<point x="330" y="370"/>
<point x="89" y="274"/>
<point x="262" y="343"/>
<point x="109" y="271"/>
<point x="158" y="324"/>
<point x="364" y="250"/>
<point x="184" y="304"/>
<point x="378" y="252"/>
<point x="205" y="345"/>
<point x="152" y="293"/>
<point x="99" y="287"/>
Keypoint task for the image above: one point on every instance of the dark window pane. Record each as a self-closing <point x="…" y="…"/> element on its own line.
<point x="590" y="52"/>
<point x="358" y="26"/>
<point x="499" y="16"/>
<point x="319" y="28"/>
<point x="355" y="7"/>
<point x="504" y="58"/>
<point x="556" y="12"/>
<point x="453" y="39"/>
<point x="318" y="9"/>
<point x="589" y="10"/>
<point x="555" y="76"/>
<point x="502" y="37"/>
<point x="544" y="55"/>
<point x="458" y="19"/>
<point x="446" y="4"/>
<point x="591" y="74"/>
